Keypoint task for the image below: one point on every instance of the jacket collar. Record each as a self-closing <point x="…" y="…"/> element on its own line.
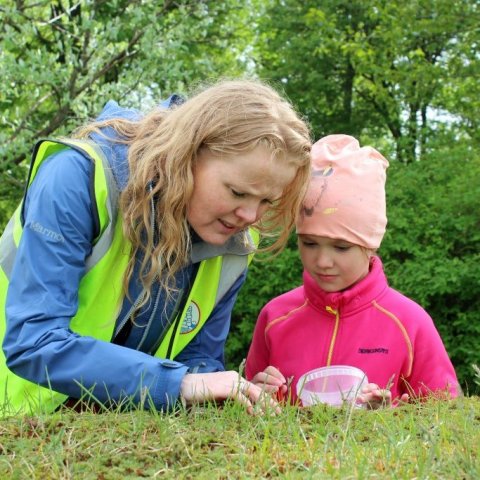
<point x="239" y="244"/>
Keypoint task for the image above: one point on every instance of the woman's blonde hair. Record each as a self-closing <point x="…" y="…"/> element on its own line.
<point x="229" y="117"/>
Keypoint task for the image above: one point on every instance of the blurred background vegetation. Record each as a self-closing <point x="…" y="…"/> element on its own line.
<point x="400" y="75"/>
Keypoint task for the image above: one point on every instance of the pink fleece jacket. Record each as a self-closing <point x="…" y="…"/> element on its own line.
<point x="370" y="326"/>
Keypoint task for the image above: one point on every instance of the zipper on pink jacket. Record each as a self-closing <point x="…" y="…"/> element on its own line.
<point x="334" y="335"/>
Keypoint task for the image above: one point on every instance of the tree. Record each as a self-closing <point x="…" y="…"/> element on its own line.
<point x="368" y="67"/>
<point x="431" y="250"/>
<point x="61" y="61"/>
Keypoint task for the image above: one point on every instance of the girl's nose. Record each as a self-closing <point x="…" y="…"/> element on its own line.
<point x="324" y="260"/>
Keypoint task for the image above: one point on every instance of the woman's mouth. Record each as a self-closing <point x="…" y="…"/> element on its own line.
<point x="229" y="226"/>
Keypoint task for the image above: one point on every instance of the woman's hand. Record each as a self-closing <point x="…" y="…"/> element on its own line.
<point x="271" y="381"/>
<point x="199" y="387"/>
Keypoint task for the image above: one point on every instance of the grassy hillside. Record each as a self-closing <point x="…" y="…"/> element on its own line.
<point x="431" y="440"/>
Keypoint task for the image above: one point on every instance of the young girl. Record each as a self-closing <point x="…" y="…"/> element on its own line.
<point x="345" y="313"/>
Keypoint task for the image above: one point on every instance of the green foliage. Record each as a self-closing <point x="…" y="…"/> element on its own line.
<point x="432" y="247"/>
<point x="372" y="67"/>
<point x="60" y="62"/>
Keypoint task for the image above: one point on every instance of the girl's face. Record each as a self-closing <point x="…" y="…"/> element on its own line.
<point x="334" y="264"/>
<point x="232" y="192"/>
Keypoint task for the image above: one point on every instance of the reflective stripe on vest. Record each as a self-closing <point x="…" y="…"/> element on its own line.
<point x="101" y="290"/>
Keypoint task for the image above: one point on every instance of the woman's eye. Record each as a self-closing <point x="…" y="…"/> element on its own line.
<point x="237" y="194"/>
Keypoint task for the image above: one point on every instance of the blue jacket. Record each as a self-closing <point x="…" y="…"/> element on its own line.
<point x="42" y="297"/>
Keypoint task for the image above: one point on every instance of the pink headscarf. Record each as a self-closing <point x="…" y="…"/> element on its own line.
<point x="346" y="196"/>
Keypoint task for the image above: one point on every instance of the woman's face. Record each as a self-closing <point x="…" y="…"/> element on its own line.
<point x="233" y="191"/>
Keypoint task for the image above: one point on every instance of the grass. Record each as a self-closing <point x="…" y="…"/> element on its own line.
<point x="428" y="440"/>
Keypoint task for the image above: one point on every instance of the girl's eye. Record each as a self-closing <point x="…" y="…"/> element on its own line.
<point x="306" y="243"/>
<point x="342" y="248"/>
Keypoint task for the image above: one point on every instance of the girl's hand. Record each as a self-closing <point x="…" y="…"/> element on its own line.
<point x="402" y="400"/>
<point x="200" y="387"/>
<point x="271" y="380"/>
<point x="374" y="397"/>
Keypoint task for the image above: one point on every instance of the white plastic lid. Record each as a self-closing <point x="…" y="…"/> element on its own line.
<point x="334" y="385"/>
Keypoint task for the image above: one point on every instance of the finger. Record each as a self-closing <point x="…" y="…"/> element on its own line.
<point x="365" y="399"/>
<point x="240" y="393"/>
<point x="268" y="379"/>
<point x="372" y="400"/>
<point x="275" y="373"/>
<point x="404" y="399"/>
<point x="380" y="395"/>
<point x="386" y="395"/>
<point x="269" y="388"/>
<point x="267" y="405"/>
<point x="241" y="398"/>
<point x="262" y="401"/>
<point x="370" y="387"/>
<point x="282" y="394"/>
<point x="261" y="377"/>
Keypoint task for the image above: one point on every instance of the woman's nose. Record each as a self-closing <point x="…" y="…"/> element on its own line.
<point x="249" y="213"/>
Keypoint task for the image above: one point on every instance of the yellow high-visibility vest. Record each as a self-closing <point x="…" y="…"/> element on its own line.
<point x="101" y="288"/>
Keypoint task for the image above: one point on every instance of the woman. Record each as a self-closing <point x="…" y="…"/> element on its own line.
<point x="125" y="258"/>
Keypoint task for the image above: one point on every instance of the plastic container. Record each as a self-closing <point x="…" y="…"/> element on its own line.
<point x="334" y="385"/>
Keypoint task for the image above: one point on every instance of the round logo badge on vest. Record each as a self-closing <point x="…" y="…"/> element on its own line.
<point x="191" y="319"/>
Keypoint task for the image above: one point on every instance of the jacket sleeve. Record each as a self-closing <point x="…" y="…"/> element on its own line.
<point x="205" y="353"/>
<point x="43" y="297"/>
<point x="258" y="357"/>
<point x="432" y="371"/>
